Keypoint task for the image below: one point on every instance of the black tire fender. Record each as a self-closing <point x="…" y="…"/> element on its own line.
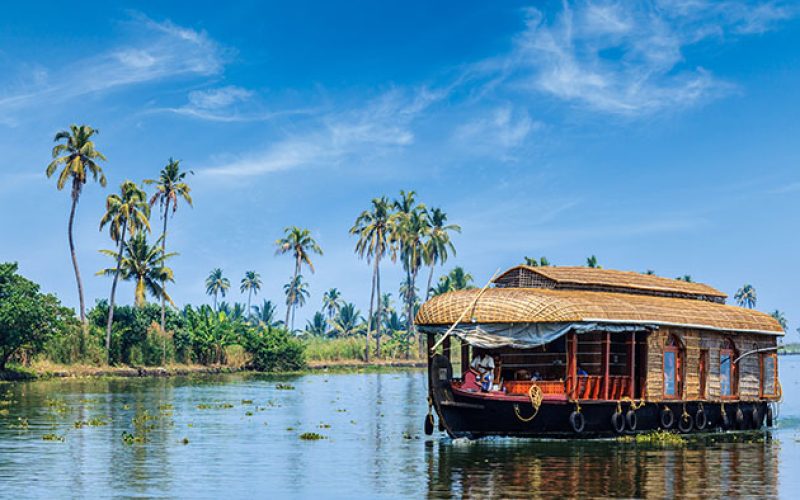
<point x="685" y="423"/>
<point x="577" y="422"/>
<point x="667" y="418"/>
<point x="758" y="418"/>
<point x="700" y="419"/>
<point x="428" y="424"/>
<point x="770" y="416"/>
<point x="739" y="419"/>
<point x="618" y="422"/>
<point x="630" y="419"/>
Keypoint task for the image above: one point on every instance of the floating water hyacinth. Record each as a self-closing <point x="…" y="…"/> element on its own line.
<point x="311" y="436"/>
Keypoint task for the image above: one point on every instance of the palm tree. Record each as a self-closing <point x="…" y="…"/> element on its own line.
<point x="300" y="244"/>
<point x="348" y="321"/>
<point x="251" y="283"/>
<point x="170" y="187"/>
<point x="686" y="277"/>
<point x="542" y="262"/>
<point x="145" y="265"/>
<point x="296" y="294"/>
<point x="438" y="243"/>
<point x="592" y="262"/>
<point x="408" y="233"/>
<point x="266" y="314"/>
<point x="217" y="284"/>
<point x="126" y="212"/>
<point x="79" y="158"/>
<point x="746" y="296"/>
<point x="318" y="325"/>
<point x="456" y="279"/>
<point x="373" y="228"/>
<point x="331" y="302"/>
<point x="780" y="318"/>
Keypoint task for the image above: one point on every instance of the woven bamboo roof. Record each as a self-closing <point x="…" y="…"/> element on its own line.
<point x="565" y="277"/>
<point x="538" y="305"/>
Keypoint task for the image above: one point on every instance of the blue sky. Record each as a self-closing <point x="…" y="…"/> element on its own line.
<point x="654" y="135"/>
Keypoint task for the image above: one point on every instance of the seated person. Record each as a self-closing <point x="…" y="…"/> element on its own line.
<point x="483" y="364"/>
<point x="582" y="372"/>
<point x="536" y="376"/>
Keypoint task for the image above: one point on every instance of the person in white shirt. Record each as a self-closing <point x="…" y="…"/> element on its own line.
<point x="483" y="364"/>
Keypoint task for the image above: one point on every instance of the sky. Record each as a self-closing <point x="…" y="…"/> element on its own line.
<point x="655" y="135"/>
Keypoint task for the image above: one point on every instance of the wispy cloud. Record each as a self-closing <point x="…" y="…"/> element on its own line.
<point x="381" y="125"/>
<point x="157" y="51"/>
<point x="624" y="58"/>
<point x="226" y="104"/>
<point x="498" y="133"/>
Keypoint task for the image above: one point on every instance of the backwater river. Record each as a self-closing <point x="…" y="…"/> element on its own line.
<point x="235" y="436"/>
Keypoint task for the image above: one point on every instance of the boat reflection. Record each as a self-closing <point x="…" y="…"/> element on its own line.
<point x="513" y="468"/>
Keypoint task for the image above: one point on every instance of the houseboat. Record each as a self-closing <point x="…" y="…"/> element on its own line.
<point x="581" y="352"/>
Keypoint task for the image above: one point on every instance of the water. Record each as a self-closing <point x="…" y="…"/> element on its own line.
<point x="374" y="445"/>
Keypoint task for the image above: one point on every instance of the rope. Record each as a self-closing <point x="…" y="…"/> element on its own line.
<point x="634" y="405"/>
<point x="723" y="413"/>
<point x="536" y="396"/>
<point x="685" y="414"/>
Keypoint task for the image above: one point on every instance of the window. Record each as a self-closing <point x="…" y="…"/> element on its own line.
<point x="673" y="364"/>
<point x="769" y="374"/>
<point x="727" y="370"/>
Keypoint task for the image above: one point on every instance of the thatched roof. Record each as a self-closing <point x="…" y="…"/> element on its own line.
<point x="608" y="280"/>
<point x="537" y="305"/>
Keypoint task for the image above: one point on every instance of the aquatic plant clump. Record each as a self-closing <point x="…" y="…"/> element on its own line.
<point x="311" y="436"/>
<point x="659" y="438"/>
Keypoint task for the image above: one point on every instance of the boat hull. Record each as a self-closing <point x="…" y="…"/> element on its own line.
<point x="474" y="416"/>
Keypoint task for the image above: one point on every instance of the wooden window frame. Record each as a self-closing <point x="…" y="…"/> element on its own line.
<point x="729" y="349"/>
<point x="774" y="357"/>
<point x="702" y="364"/>
<point x="677" y="349"/>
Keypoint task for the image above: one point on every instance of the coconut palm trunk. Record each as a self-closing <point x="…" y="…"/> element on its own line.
<point x="430" y="282"/>
<point x="411" y="311"/>
<point x="75" y="196"/>
<point x="163" y="283"/>
<point x="371" y="308"/>
<point x="290" y="306"/>
<point x="380" y="307"/>
<point x="114" y="292"/>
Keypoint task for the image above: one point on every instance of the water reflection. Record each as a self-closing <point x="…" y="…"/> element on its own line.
<point x="505" y="467"/>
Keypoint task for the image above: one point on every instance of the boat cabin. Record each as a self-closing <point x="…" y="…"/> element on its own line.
<point x="576" y="335"/>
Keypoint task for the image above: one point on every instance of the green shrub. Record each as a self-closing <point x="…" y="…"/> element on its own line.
<point x="274" y="349"/>
<point x="132" y="338"/>
<point x="28" y="318"/>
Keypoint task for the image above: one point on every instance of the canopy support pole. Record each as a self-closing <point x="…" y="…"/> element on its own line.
<point x="471" y="306"/>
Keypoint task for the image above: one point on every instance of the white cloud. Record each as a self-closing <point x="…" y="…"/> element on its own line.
<point x="498" y="134"/>
<point x="624" y="58"/>
<point x="157" y="51"/>
<point x="218" y="98"/>
<point x="381" y="125"/>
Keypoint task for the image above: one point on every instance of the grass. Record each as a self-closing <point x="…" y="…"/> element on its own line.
<point x="349" y="349"/>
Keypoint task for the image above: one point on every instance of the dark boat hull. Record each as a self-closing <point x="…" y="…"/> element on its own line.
<point x="471" y="416"/>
